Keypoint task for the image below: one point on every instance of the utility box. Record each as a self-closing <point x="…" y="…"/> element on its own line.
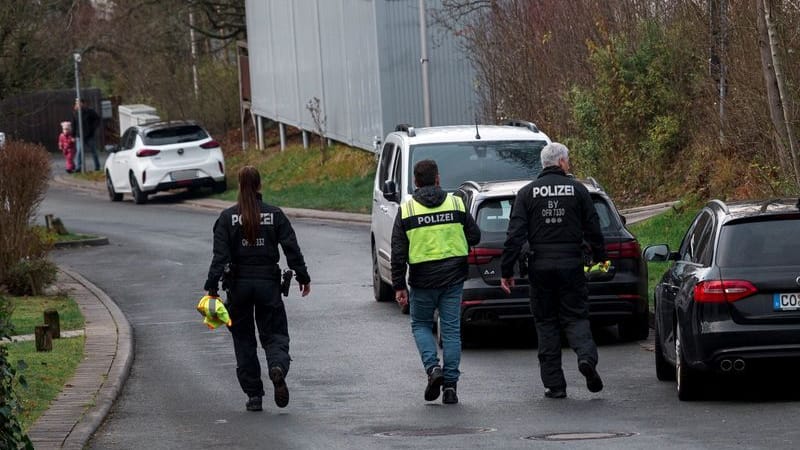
<point x="130" y="115"/>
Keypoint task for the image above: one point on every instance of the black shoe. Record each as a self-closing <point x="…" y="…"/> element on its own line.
<point x="593" y="381"/>
<point x="449" y="396"/>
<point x="254" y="403"/>
<point x="555" y="393"/>
<point x="434" y="387"/>
<point x="281" y="390"/>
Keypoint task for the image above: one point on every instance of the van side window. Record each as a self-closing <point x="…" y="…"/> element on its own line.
<point x="386" y="161"/>
<point x="398" y="170"/>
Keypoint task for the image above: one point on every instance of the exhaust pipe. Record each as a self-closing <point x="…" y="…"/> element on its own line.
<point x="726" y="365"/>
<point x="739" y="365"/>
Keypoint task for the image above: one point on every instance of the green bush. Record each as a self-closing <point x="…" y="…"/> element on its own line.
<point x="30" y="276"/>
<point x="634" y="118"/>
<point x="12" y="435"/>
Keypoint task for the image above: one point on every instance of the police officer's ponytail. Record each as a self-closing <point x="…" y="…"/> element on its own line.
<point x="249" y="202"/>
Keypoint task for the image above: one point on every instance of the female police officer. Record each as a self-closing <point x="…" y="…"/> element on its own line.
<point x="246" y="236"/>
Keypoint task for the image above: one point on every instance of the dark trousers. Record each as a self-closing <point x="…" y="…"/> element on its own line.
<point x="558" y="302"/>
<point x="260" y="300"/>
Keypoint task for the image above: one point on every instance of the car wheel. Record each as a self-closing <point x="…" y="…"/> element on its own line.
<point x="139" y="197"/>
<point x="382" y="291"/>
<point x="664" y="370"/>
<point x="220" y="187"/>
<point x="112" y="194"/>
<point x="688" y="379"/>
<point x="637" y="328"/>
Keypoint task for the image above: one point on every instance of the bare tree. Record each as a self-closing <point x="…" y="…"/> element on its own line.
<point x="777" y="96"/>
<point x="320" y="121"/>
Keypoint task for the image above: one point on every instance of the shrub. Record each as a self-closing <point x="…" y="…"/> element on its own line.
<point x="11" y="434"/>
<point x="24" y="172"/>
<point x="634" y="118"/>
<point x="30" y="276"/>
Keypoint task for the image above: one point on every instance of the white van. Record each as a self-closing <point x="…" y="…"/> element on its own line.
<point x="463" y="152"/>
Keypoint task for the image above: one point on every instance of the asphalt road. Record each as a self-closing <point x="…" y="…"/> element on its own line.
<point x="356" y="379"/>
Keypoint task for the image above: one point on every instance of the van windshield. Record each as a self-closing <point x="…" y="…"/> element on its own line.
<point x="479" y="161"/>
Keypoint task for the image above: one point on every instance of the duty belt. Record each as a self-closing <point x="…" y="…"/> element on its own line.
<point x="265" y="272"/>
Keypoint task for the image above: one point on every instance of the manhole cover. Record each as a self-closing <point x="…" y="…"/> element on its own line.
<point x="443" y="431"/>
<point x="577" y="436"/>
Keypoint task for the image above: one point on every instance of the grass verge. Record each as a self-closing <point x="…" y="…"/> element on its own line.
<point x="46" y="373"/>
<point x="96" y="175"/>
<point x="298" y="178"/>
<point x="72" y="237"/>
<point x="667" y="228"/>
<point x="29" y="312"/>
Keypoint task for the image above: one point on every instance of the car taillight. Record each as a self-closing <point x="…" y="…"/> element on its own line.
<point x="627" y="249"/>
<point x="480" y="255"/>
<point x="722" y="291"/>
<point x="210" y="144"/>
<point x="147" y="152"/>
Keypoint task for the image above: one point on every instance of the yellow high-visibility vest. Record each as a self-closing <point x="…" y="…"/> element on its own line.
<point x="213" y="311"/>
<point x="434" y="233"/>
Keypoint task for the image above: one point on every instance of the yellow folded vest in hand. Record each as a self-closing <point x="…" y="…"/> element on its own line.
<point x="213" y="311"/>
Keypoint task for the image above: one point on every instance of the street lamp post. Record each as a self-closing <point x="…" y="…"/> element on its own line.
<point x="77" y="58"/>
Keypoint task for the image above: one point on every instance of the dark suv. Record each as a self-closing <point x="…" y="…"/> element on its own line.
<point x="731" y="299"/>
<point x="617" y="297"/>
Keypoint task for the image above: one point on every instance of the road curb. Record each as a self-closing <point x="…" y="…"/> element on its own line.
<point x="91" y="242"/>
<point x="79" y="410"/>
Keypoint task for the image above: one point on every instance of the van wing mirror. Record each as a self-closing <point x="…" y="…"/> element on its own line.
<point x="390" y="191"/>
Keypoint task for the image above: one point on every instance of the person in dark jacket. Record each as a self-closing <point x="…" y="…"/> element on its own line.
<point x="432" y="234"/>
<point x="246" y="237"/>
<point x="555" y="215"/>
<point x="90" y="120"/>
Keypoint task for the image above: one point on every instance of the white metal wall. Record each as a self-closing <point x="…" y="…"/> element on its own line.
<point x="360" y="58"/>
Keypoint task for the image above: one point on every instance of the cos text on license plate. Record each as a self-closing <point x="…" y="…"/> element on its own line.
<point x="786" y="302"/>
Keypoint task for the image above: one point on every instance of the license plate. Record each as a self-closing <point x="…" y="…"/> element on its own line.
<point x="786" y="302"/>
<point x="182" y="175"/>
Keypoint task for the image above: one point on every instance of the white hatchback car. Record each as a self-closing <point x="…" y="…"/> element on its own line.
<point x="163" y="156"/>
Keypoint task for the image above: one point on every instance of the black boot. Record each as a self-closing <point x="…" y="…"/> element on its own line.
<point x="435" y="380"/>
<point x="281" y="390"/>
<point x="593" y="381"/>
<point x="449" y="395"/>
<point x="253" y="403"/>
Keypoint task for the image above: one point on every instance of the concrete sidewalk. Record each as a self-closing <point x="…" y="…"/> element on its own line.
<point x="86" y="399"/>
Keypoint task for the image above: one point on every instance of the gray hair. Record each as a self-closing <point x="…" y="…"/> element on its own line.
<point x="552" y="153"/>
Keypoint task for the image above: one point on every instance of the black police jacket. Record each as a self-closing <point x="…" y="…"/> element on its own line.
<point x="555" y="214"/>
<point x="429" y="274"/>
<point x="255" y="259"/>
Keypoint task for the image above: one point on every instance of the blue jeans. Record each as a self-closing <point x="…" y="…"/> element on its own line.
<point x="91" y="145"/>
<point x="447" y="300"/>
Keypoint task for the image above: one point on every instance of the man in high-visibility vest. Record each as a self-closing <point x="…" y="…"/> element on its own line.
<point x="432" y="234"/>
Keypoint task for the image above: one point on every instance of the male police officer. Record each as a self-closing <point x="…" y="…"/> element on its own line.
<point x="555" y="214"/>
<point x="432" y="234"/>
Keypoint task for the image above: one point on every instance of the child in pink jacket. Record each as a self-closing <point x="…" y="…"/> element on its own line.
<point x="66" y="143"/>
